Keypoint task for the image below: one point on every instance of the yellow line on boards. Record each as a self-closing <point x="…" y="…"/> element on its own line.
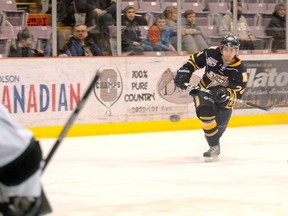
<point x="154" y="126"/>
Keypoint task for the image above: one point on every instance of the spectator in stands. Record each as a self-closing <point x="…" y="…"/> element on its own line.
<point x="277" y="28"/>
<point x="132" y="39"/>
<point x="158" y="35"/>
<point x="22" y="46"/>
<point x="98" y="13"/>
<point x="65" y="13"/>
<point x="99" y="16"/>
<point x="79" y="45"/>
<point x="170" y="13"/>
<point x="47" y="47"/>
<point x="140" y="20"/>
<point x="192" y="33"/>
<point x="247" y="40"/>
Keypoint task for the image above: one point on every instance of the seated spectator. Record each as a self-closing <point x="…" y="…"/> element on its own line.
<point x="193" y="34"/>
<point x="22" y="47"/>
<point x="132" y="39"/>
<point x="100" y="14"/>
<point x="170" y="13"/>
<point x="247" y="40"/>
<point x="277" y="28"/>
<point x="46" y="46"/>
<point x="141" y="21"/>
<point x="79" y="45"/>
<point x="65" y="13"/>
<point x="158" y="36"/>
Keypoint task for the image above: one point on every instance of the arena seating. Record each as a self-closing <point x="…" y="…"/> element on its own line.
<point x="4" y="46"/>
<point x="208" y="15"/>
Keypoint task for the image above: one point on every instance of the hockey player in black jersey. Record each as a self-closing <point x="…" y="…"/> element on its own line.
<point x="224" y="75"/>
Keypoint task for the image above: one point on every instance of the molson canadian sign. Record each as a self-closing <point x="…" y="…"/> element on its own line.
<point x="40" y="97"/>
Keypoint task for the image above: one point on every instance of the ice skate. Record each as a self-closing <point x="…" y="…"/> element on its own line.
<point x="212" y="154"/>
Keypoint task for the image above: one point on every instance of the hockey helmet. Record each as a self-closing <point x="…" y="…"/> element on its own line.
<point x="230" y="41"/>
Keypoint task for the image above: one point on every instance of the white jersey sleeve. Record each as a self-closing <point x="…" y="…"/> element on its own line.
<point x="14" y="138"/>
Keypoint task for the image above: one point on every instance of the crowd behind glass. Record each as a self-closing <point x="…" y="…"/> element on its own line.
<point x="156" y="27"/>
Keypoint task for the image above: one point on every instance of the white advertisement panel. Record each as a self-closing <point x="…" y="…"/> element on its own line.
<point x="44" y="91"/>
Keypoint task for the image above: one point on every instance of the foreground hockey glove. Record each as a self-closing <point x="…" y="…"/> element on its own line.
<point x="220" y="94"/>
<point x="22" y="206"/>
<point x="183" y="76"/>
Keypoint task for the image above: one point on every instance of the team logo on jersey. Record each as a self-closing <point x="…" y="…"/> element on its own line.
<point x="222" y="68"/>
<point x="211" y="62"/>
<point x="217" y="79"/>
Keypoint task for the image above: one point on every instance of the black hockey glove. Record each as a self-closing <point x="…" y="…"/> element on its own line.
<point x="219" y="94"/>
<point x="183" y="76"/>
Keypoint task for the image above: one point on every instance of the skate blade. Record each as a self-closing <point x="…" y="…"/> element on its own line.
<point x="211" y="159"/>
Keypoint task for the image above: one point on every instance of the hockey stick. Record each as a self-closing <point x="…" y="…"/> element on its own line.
<point x="70" y="121"/>
<point x="231" y="98"/>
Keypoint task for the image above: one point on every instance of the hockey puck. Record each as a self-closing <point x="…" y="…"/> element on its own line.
<point x="174" y="118"/>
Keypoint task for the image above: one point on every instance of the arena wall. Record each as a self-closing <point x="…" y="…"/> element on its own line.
<point x="134" y="94"/>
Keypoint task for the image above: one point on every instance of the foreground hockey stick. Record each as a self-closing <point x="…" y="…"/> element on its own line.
<point x="231" y="98"/>
<point x="70" y="121"/>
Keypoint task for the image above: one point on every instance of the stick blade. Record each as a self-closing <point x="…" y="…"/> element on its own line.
<point x="269" y="108"/>
<point x="261" y="107"/>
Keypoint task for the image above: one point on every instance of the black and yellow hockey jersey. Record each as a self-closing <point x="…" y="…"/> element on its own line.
<point x="217" y="74"/>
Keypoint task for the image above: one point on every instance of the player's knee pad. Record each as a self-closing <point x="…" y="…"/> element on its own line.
<point x="210" y="128"/>
<point x="22" y="167"/>
<point x="207" y="115"/>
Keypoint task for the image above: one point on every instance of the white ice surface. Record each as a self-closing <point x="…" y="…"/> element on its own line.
<point x="163" y="174"/>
